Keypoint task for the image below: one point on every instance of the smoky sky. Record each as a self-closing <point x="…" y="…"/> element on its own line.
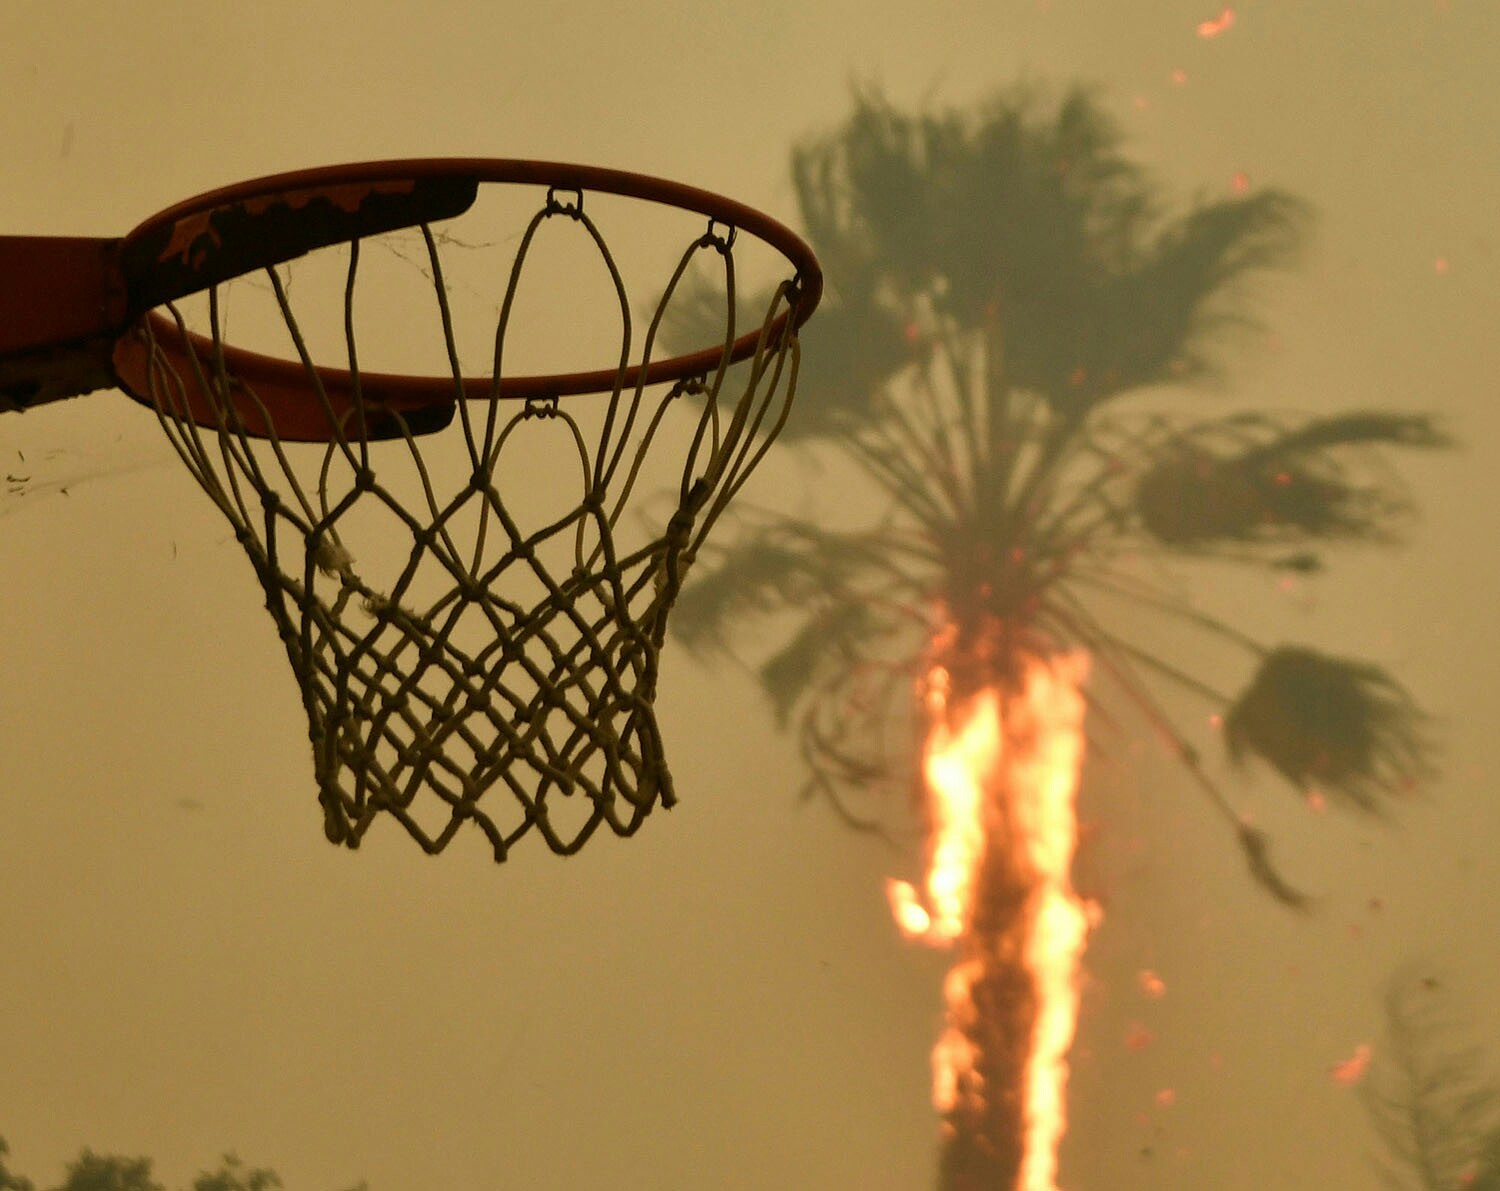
<point x="189" y="968"/>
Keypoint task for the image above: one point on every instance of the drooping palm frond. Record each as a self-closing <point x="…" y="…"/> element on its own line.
<point x="829" y="644"/>
<point x="757" y="577"/>
<point x="1430" y="1098"/>
<point x="1249" y="478"/>
<point x="779" y="566"/>
<point x="1256" y="845"/>
<point x="853" y="722"/>
<point x="1329" y="724"/>
<point x="1361" y="428"/>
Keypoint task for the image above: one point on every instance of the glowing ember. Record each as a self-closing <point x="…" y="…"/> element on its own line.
<point x="1216" y="26"/>
<point x="1351" y="1070"/>
<point x="1138" y="1038"/>
<point x="1001" y="776"/>
<point x="910" y="915"/>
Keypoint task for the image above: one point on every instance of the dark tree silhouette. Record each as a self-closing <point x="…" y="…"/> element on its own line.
<point x="1013" y="326"/>
<point x="1434" y="1105"/>
<point x="233" y="1175"/>
<point x="9" y="1181"/>
<point x="112" y="1172"/>
<point x="108" y="1172"/>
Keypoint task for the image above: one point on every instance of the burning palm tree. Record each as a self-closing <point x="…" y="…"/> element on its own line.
<point x="1009" y="307"/>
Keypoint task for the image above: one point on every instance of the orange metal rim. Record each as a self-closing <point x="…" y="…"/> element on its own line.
<point x="180" y="223"/>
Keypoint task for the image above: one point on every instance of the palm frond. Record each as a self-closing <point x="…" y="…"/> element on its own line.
<point x="861" y="346"/>
<point x="1330" y="724"/>
<point x="1161" y="315"/>
<point x="1256" y="845"/>
<point x="1433" y="1104"/>
<point x="854" y="725"/>
<point x="1250" y="479"/>
<point x="1361" y="428"/>
<point x="829" y="643"/>
<point x="784" y="566"/>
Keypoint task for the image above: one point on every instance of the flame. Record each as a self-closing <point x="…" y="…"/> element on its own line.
<point x="1044" y="783"/>
<point x="957" y="766"/>
<point x="954" y="1055"/>
<point x="1003" y="774"/>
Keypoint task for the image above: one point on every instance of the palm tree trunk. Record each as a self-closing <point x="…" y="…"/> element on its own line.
<point x="983" y="1134"/>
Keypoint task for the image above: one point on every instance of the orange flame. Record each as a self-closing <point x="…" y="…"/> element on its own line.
<point x="1026" y="751"/>
<point x="957" y="766"/>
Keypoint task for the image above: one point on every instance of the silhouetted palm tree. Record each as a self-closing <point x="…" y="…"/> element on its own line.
<point x="1008" y="305"/>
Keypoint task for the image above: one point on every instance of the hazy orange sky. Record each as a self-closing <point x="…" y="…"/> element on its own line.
<point x="186" y="967"/>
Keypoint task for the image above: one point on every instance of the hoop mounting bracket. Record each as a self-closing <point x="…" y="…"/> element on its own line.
<point x="58" y="327"/>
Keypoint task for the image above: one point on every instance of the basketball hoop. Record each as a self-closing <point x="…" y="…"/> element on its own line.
<point x="460" y="658"/>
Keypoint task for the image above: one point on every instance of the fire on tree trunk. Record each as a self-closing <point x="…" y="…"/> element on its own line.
<point x="1000" y="770"/>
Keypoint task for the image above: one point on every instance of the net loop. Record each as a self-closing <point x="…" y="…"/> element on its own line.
<point x="555" y="206"/>
<point x="722" y="242"/>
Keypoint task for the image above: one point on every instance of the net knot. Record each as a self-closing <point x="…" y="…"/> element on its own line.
<point x="540" y="407"/>
<point x="693" y="385"/>
<point x="555" y="206"/>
